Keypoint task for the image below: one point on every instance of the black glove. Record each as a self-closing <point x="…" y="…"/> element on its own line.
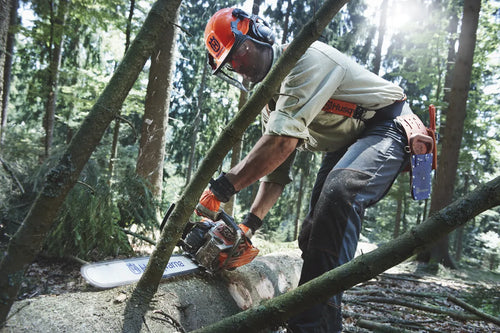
<point x="253" y="222"/>
<point x="222" y="188"/>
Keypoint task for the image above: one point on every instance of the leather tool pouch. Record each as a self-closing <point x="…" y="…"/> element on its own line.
<point x="423" y="153"/>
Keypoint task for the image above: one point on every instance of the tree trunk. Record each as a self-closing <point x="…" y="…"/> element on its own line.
<point x="364" y="267"/>
<point x="381" y="33"/>
<point x="155" y="120"/>
<point x="116" y="130"/>
<point x="5" y="10"/>
<point x="300" y="196"/>
<point x="286" y="22"/>
<point x="57" y="22"/>
<point x="459" y="233"/>
<point x="148" y="284"/>
<point x="453" y="131"/>
<point x="196" y="122"/>
<point x="27" y="241"/>
<point x="399" y="211"/>
<point x="452" y="39"/>
<point x="6" y="58"/>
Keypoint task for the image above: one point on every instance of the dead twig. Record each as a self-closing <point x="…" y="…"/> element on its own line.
<point x="169" y="319"/>
<point x="14" y="313"/>
<point x="141" y="237"/>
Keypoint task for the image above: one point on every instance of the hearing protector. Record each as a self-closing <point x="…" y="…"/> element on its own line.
<point x="258" y="29"/>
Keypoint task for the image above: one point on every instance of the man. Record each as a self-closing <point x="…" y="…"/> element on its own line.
<point x="326" y="103"/>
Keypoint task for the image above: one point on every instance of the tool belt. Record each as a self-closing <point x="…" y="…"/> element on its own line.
<point x="421" y="140"/>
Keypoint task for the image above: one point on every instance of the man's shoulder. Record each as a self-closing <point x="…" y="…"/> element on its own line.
<point x="326" y="49"/>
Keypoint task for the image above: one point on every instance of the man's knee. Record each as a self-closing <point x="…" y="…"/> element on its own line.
<point x="342" y="185"/>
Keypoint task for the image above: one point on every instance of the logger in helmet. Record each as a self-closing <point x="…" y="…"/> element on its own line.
<point x="327" y="103"/>
<point x="241" y="42"/>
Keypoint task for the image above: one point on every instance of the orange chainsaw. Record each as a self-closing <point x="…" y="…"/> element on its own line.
<point x="208" y="246"/>
<point x="218" y="245"/>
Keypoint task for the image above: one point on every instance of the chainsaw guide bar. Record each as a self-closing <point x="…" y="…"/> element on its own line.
<point x="114" y="273"/>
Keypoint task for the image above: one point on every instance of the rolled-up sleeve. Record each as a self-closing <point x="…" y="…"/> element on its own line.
<point x="303" y="94"/>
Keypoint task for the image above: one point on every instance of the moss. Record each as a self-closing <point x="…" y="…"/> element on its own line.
<point x="58" y="177"/>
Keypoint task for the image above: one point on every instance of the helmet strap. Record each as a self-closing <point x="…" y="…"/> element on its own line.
<point x="221" y="74"/>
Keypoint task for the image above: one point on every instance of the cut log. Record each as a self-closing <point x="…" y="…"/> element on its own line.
<point x="181" y="304"/>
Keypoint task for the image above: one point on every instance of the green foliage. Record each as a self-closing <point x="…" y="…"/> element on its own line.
<point x="414" y="56"/>
<point x="87" y="230"/>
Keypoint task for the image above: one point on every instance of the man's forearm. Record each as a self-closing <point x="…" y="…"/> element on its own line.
<point x="266" y="197"/>
<point x="269" y="152"/>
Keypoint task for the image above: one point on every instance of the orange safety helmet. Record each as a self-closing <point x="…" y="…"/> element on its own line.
<point x="228" y="29"/>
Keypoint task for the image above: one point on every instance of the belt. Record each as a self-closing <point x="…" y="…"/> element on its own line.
<point x="352" y="110"/>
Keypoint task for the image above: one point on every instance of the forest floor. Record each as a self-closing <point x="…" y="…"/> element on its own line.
<point x="404" y="298"/>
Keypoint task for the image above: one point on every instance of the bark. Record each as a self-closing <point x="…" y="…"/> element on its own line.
<point x="363" y="267"/>
<point x="5" y="10"/>
<point x="116" y="130"/>
<point x="55" y="54"/>
<point x="174" y="226"/>
<point x="155" y="119"/>
<point x="27" y="241"/>
<point x="6" y="62"/>
<point x="453" y="131"/>
<point x="381" y="33"/>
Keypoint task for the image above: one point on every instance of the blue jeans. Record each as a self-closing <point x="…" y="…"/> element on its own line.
<point x="348" y="181"/>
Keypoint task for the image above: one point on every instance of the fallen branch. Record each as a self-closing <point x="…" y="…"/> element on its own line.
<point x="389" y="320"/>
<point x="416" y="278"/>
<point x="141" y="237"/>
<point x="427" y="308"/>
<point x="379" y="327"/>
<point x="475" y="311"/>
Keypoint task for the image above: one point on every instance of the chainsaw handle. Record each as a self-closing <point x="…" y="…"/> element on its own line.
<point x="229" y="220"/>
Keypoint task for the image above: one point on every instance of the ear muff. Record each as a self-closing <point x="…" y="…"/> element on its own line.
<point x="259" y="29"/>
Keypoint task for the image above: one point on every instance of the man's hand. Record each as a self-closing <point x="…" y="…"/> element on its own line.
<point x="220" y="190"/>
<point x="209" y="205"/>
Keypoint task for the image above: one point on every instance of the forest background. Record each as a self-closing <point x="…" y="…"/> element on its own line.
<point x="60" y="55"/>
